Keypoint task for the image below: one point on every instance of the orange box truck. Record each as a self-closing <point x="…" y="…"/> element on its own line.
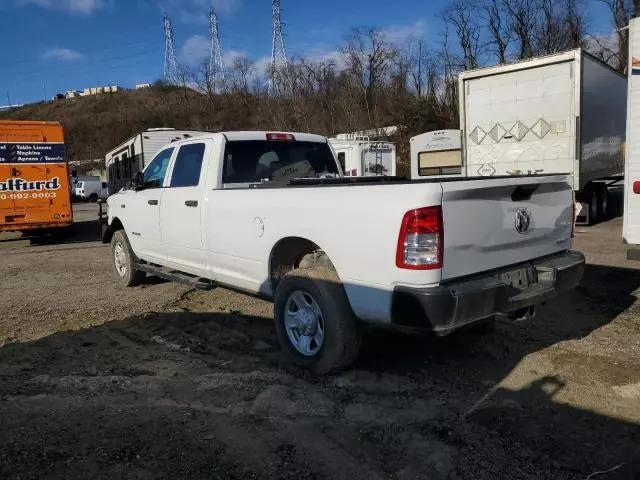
<point x="34" y="177"/>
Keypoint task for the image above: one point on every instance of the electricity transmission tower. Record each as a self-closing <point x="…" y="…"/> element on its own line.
<point x="216" y="65"/>
<point x="278" y="53"/>
<point x="170" y="61"/>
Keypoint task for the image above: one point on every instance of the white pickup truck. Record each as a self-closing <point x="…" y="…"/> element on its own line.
<point x="271" y="214"/>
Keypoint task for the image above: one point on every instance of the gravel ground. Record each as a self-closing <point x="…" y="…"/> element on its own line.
<point x="99" y="381"/>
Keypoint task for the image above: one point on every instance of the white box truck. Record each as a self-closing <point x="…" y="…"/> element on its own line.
<point x="631" y="219"/>
<point x="359" y="156"/>
<point x="562" y="113"/>
<point x="131" y="156"/>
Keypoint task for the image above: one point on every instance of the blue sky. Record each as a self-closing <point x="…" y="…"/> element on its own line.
<point x="58" y="45"/>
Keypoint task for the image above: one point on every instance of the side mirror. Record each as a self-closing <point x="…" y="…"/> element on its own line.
<point x="137" y="182"/>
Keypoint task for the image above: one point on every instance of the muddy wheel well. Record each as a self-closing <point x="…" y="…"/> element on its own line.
<point x="116" y="225"/>
<point x="291" y="253"/>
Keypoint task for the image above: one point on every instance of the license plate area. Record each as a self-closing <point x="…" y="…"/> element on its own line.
<point x="520" y="278"/>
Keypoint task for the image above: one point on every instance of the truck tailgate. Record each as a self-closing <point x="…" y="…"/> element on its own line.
<point x="493" y="223"/>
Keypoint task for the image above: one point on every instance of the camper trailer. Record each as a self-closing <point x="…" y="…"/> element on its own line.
<point x="131" y="156"/>
<point x="360" y="157"/>
<point x="436" y="153"/>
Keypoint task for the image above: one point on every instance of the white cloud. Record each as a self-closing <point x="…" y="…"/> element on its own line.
<point x="334" y="56"/>
<point x="401" y="33"/>
<point x="196" y="50"/>
<point x="224" y="6"/>
<point x="229" y="57"/>
<point x="197" y="11"/>
<point x="63" y="54"/>
<point x="84" y="7"/>
<point x="262" y="66"/>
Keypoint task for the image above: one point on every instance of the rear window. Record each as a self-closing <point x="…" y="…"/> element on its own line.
<point x="253" y="161"/>
<point x="441" y="162"/>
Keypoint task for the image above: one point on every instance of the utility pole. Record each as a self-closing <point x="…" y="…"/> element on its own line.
<point x="278" y="53"/>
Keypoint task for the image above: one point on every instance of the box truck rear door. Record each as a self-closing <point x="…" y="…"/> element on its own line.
<point x="521" y="121"/>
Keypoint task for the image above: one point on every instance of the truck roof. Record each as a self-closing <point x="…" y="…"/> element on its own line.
<point x="258" y="135"/>
<point x="262" y="135"/>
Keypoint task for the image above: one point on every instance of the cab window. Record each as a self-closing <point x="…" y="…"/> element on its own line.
<point x="154" y="174"/>
<point x="188" y="165"/>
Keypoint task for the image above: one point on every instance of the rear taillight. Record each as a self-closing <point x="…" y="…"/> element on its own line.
<point x="421" y="239"/>
<point x="282" y="137"/>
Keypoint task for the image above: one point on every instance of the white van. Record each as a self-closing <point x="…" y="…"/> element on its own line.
<point x="91" y="190"/>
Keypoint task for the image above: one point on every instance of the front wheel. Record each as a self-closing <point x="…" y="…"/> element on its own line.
<point x="314" y="323"/>
<point x="124" y="261"/>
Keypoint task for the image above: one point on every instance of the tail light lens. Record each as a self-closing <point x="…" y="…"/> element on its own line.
<point x="421" y="239"/>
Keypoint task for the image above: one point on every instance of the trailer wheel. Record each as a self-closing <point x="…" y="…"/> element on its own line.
<point x="314" y="323"/>
<point x="594" y="205"/>
<point x="124" y="261"/>
<point x="603" y="201"/>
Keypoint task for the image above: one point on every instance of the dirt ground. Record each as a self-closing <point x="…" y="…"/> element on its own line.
<point x="99" y="381"/>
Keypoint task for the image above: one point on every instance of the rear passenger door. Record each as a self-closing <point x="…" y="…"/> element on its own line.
<point x="181" y="209"/>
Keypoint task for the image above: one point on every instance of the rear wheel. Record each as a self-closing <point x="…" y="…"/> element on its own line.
<point x="603" y="201"/>
<point x="124" y="261"/>
<point x="594" y="205"/>
<point x="314" y="323"/>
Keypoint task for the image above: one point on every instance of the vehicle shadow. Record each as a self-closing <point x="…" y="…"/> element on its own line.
<point x="144" y="393"/>
<point x="80" y="232"/>
<point x="603" y="294"/>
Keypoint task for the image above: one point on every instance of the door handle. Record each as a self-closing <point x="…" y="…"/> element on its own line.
<point x="191" y="203"/>
<point x="152" y="202"/>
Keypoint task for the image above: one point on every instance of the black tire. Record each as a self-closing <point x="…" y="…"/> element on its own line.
<point x="342" y="332"/>
<point x="93" y="198"/>
<point x="603" y="201"/>
<point x="594" y="204"/>
<point x="128" y="276"/>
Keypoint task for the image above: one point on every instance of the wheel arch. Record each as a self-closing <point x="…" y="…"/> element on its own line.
<point x="288" y="253"/>
<point x="113" y="227"/>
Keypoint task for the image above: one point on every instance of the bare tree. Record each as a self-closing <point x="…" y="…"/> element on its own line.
<point x="420" y="63"/>
<point x="604" y="47"/>
<point x="462" y="16"/>
<point x="499" y="31"/>
<point x="523" y="22"/>
<point x="241" y="72"/>
<point x="560" y="27"/>
<point x="368" y="58"/>
<point x="620" y="11"/>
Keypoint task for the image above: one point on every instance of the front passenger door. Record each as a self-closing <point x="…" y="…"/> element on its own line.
<point x="143" y="210"/>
